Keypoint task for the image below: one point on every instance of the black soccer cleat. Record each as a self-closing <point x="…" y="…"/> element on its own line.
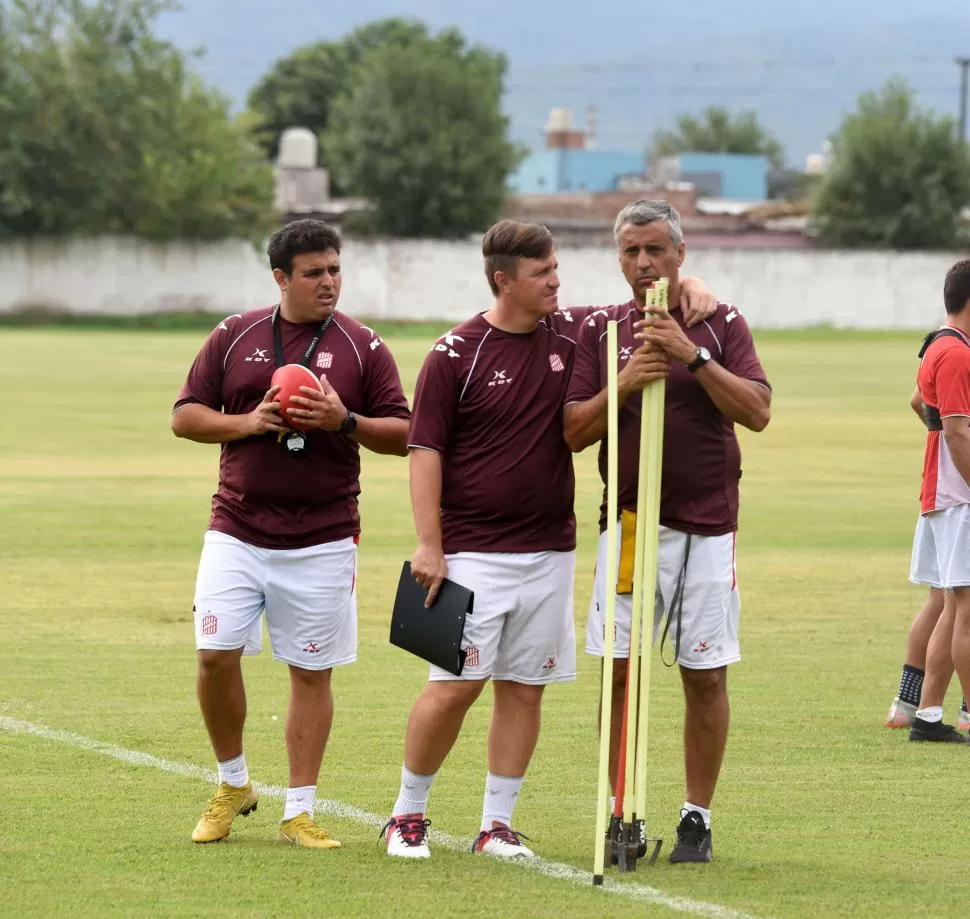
<point x="935" y="731"/>
<point x="693" y="840"/>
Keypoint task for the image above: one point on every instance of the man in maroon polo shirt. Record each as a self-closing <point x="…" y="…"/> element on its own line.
<point x="283" y="532"/>
<point x="492" y="495"/>
<point x="715" y="380"/>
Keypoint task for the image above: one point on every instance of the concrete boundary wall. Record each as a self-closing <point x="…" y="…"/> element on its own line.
<point x="405" y="279"/>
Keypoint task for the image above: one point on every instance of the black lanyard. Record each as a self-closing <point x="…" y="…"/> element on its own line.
<point x="278" y="339"/>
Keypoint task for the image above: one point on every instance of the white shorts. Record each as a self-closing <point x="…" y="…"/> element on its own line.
<point x="711" y="601"/>
<point x="309" y="596"/>
<point x="941" y="548"/>
<point x="521" y="628"/>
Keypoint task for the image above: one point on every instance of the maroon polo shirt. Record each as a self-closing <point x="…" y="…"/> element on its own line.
<point x="701" y="456"/>
<point x="490" y="402"/>
<point x="266" y="496"/>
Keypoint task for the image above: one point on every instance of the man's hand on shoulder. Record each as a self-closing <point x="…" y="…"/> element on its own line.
<point x="697" y="303"/>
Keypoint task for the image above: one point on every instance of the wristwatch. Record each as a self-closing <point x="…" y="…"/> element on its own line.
<point x="701" y="357"/>
<point x="349" y="424"/>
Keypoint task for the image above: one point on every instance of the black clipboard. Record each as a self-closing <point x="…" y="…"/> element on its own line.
<point x="433" y="634"/>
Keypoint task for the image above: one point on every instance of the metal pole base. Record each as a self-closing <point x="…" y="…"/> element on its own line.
<point x="634" y="844"/>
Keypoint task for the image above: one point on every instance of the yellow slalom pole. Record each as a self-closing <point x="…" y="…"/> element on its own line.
<point x="653" y="412"/>
<point x="633" y="665"/>
<point x="612" y="499"/>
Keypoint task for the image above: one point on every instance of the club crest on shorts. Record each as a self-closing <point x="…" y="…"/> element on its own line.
<point x="471" y="656"/>
<point x="210" y="624"/>
<point x="311" y="647"/>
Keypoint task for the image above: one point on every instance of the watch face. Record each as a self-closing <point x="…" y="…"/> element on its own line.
<point x="703" y="353"/>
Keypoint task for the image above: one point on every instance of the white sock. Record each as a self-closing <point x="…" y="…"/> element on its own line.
<point x="501" y="793"/>
<point x="612" y="804"/>
<point x="703" y="811"/>
<point x="413" y="796"/>
<point x="300" y="801"/>
<point x="932" y="714"/>
<point x="234" y="771"/>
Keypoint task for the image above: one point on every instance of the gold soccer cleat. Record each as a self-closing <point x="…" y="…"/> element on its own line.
<point x="228" y="801"/>
<point x="302" y="831"/>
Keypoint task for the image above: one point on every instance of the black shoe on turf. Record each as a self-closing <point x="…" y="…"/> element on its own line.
<point x="693" y="840"/>
<point x="936" y="731"/>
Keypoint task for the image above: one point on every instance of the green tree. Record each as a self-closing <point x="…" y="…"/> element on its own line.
<point x="107" y="130"/>
<point x="420" y="131"/>
<point x="720" y="132"/>
<point x="897" y="177"/>
<point x="299" y="90"/>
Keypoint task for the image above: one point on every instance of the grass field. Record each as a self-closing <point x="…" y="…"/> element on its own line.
<point x="820" y="811"/>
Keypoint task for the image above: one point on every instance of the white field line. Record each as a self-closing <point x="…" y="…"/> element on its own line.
<point x="562" y="872"/>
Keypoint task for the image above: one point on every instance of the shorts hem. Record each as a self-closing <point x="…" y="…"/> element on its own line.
<point x="926" y="583"/>
<point x="210" y="646"/>
<point x="710" y="666"/>
<point x="623" y="655"/>
<point x="538" y="681"/>
<point x="619" y="654"/>
<point x="445" y="677"/>
<point x="326" y="665"/>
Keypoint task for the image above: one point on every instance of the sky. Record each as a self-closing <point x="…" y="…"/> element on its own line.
<point x="799" y="66"/>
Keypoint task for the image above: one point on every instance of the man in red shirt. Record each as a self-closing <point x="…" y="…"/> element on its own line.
<point x="715" y="380"/>
<point x="283" y="532"/>
<point x="492" y="496"/>
<point x="940" y="547"/>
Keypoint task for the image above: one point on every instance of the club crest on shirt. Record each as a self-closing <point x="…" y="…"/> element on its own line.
<point x="555" y="362"/>
<point x="324" y="360"/>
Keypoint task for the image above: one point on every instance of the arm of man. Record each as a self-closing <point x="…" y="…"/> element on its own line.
<point x="697" y="302"/>
<point x="428" y="564"/>
<point x="585" y="423"/>
<point x="585" y="413"/>
<point x="916" y="404"/>
<point x="198" y="411"/>
<point x="432" y="426"/>
<point x="953" y="395"/>
<point x="956" y="432"/>
<point x="742" y="401"/>
<point x="205" y="425"/>
<point x="323" y="410"/>
<point x="735" y="386"/>
<point x="382" y="435"/>
<point x="384" y="429"/>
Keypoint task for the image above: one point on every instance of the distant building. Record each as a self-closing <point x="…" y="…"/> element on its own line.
<point x="303" y="187"/>
<point x="734" y="176"/>
<point x="570" y="162"/>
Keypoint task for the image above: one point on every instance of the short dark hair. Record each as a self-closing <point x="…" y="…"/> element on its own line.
<point x="299" y="237"/>
<point x="507" y="241"/>
<point x="956" y="287"/>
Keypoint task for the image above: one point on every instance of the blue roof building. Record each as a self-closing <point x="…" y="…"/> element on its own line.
<point x="551" y="171"/>
<point x="733" y="176"/>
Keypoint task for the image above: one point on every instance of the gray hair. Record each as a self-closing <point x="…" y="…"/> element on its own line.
<point x="642" y="212"/>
